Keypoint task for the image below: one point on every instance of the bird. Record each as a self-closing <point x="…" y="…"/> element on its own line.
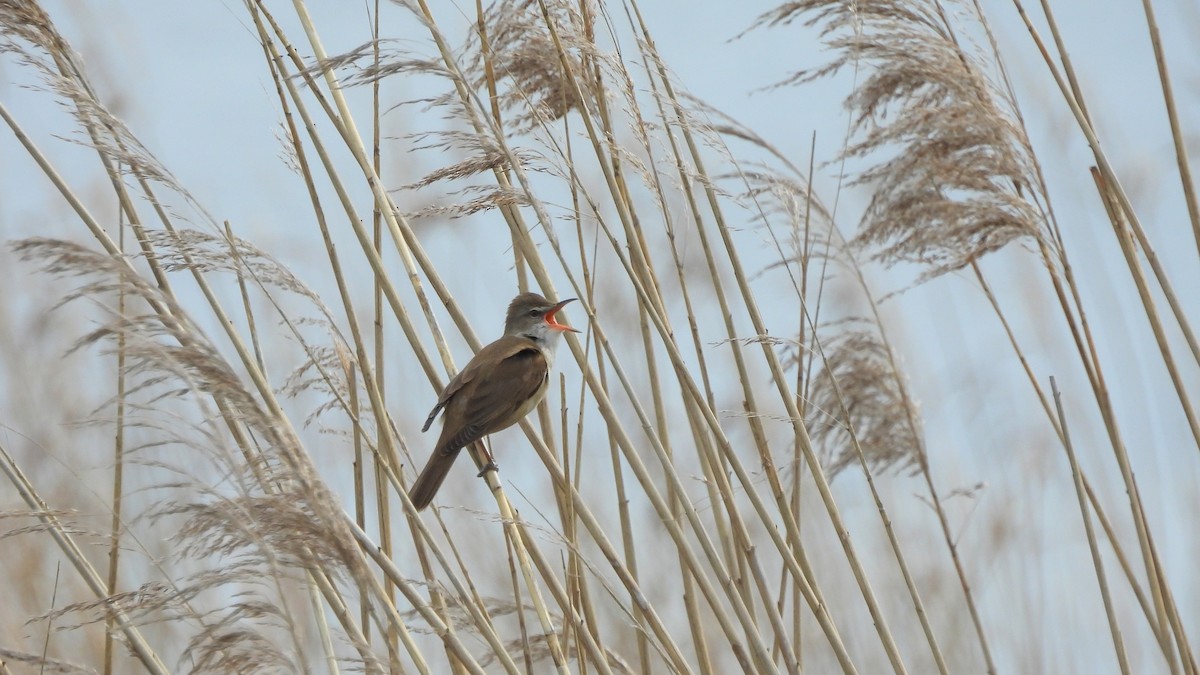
<point x="496" y="389"/>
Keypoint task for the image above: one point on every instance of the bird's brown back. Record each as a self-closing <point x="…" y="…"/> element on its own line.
<point x="504" y="381"/>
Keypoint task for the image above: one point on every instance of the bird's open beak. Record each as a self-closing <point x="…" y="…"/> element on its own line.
<point x="554" y="310"/>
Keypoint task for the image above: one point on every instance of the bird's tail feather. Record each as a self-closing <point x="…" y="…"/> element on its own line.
<point x="427" y="484"/>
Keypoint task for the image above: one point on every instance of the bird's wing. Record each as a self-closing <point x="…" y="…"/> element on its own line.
<point x="467" y="374"/>
<point x="496" y="396"/>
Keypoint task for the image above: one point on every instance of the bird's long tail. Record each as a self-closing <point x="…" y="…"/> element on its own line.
<point x="427" y="484"/>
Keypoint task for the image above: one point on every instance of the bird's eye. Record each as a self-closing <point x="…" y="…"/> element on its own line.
<point x="534" y="312"/>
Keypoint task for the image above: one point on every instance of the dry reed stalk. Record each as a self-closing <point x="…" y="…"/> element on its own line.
<point x="188" y="262"/>
<point x="789" y="402"/>
<point x="1160" y="590"/>
<point x="1093" y="501"/>
<point x="118" y="491"/>
<point x="395" y="223"/>
<point x="530" y="254"/>
<point x="142" y="650"/>
<point x="1177" y="134"/>
<point x="859" y="407"/>
<point x="1114" y="627"/>
<point x="900" y="19"/>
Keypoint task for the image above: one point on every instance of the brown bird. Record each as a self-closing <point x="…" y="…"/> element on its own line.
<point x="497" y="389"/>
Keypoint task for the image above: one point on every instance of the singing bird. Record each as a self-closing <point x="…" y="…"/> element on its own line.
<point x="497" y="389"/>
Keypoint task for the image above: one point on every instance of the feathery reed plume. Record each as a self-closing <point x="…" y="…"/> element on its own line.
<point x="784" y="198"/>
<point x="525" y="63"/>
<point x="960" y="175"/>
<point x="41" y="663"/>
<point x="27" y="32"/>
<point x="203" y="252"/>
<point x="39" y="527"/>
<point x="857" y="392"/>
<point x="268" y="518"/>
<point x="323" y="369"/>
<point x="362" y="69"/>
<point x="479" y="154"/>
<point x="140" y="604"/>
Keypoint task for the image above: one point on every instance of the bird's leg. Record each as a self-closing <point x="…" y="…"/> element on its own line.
<point x="491" y="461"/>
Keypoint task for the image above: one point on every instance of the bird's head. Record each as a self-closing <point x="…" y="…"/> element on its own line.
<point x="531" y="315"/>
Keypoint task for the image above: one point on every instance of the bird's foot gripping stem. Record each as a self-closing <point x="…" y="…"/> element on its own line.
<point x="491" y="464"/>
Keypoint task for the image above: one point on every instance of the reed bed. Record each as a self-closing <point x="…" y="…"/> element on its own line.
<point x="771" y="449"/>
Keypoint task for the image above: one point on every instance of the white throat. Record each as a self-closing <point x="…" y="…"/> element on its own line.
<point x="545" y="337"/>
